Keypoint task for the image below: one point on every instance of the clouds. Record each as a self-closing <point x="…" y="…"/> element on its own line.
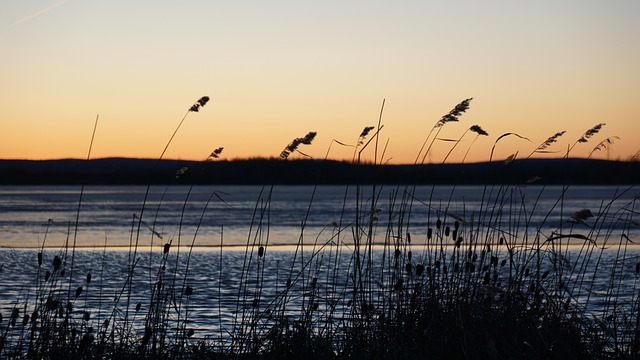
<point x="36" y="14"/>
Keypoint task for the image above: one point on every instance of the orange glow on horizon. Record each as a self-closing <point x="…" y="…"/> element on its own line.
<point x="275" y="72"/>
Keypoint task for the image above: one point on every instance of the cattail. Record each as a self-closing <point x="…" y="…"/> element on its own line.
<point x="419" y="269"/>
<point x="87" y="316"/>
<point x="167" y="246"/>
<point x="429" y="233"/>
<point x="78" y="291"/>
<point x="314" y="282"/>
<point x="188" y="291"/>
<point x="471" y="267"/>
<point x="14" y="316"/>
<point x="261" y="251"/>
<point x="138" y="306"/>
<point x="438" y="224"/>
<point x="39" y="258"/>
<point x="57" y="262"/>
<point x="409" y="238"/>
<point x="459" y="241"/>
<point x="446" y="231"/>
<point x="34" y="316"/>
<point x="409" y="267"/>
<point x="190" y="332"/>
<point x="254" y="303"/>
<point x="47" y="274"/>
<point x="88" y="278"/>
<point x="51" y="303"/>
<point x="409" y="254"/>
<point x="398" y="285"/>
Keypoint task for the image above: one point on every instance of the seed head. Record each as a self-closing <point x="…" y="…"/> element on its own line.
<point x="198" y="104"/>
<point x="452" y="116"/>
<point x="478" y="130"/>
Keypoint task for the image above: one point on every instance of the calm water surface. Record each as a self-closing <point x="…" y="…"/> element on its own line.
<point x="33" y="216"/>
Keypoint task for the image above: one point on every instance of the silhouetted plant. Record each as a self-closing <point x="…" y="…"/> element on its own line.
<point x="293" y="146"/>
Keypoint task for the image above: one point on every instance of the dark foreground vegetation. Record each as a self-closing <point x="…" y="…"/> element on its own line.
<point x="276" y="171"/>
<point x="363" y="288"/>
<point x="467" y="290"/>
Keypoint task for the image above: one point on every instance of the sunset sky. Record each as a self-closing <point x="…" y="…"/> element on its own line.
<point x="276" y="70"/>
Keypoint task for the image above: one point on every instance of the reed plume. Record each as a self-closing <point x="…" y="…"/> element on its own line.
<point x="585" y="137"/>
<point x="194" y="108"/>
<point x="604" y="144"/>
<point x="452" y="116"/>
<point x="293" y="145"/>
<point x="361" y="138"/>
<point x="474" y="128"/>
<point x="589" y="133"/>
<point x="215" y="154"/>
<point x="542" y="147"/>
<point x="198" y="104"/>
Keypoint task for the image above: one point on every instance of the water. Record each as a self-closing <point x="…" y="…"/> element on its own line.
<point x="33" y="216"/>
<point x="234" y="287"/>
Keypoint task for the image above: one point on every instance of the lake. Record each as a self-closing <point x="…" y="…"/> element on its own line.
<point x="287" y="248"/>
<point x="33" y="216"/>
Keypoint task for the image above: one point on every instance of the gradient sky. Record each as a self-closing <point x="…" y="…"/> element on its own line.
<point x="276" y="70"/>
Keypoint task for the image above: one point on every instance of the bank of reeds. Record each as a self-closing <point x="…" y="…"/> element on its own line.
<point x="484" y="283"/>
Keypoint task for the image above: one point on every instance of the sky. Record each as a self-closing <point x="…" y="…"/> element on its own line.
<point x="276" y="70"/>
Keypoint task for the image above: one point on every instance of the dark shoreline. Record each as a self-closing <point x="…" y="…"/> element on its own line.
<point x="114" y="171"/>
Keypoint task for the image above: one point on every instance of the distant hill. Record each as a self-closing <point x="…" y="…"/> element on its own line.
<point x="275" y="171"/>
